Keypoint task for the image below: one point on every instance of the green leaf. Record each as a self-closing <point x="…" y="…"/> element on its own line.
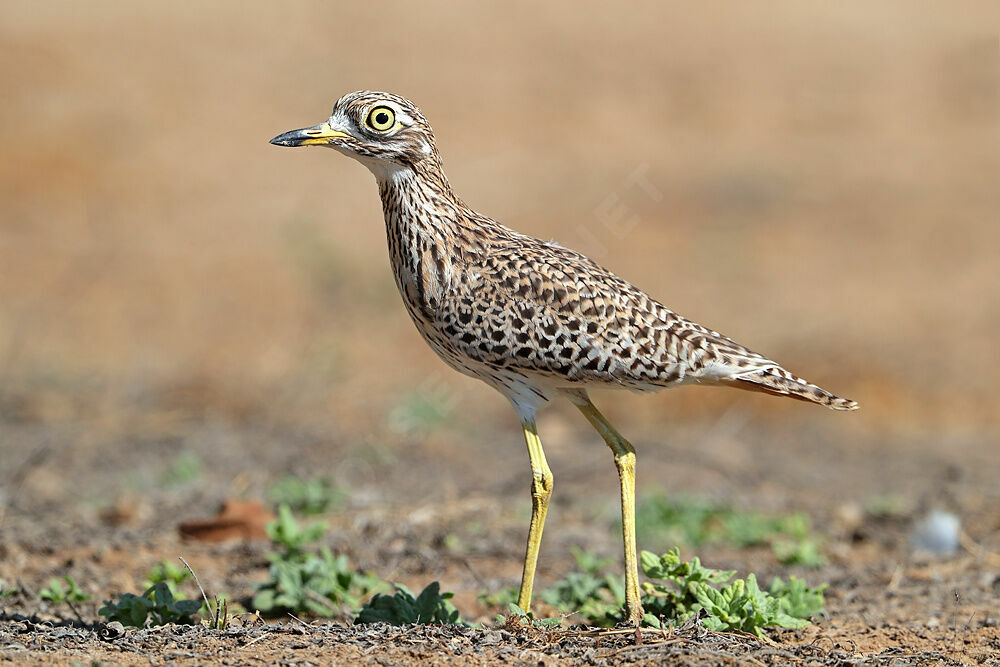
<point x="649" y="620"/>
<point x="715" y="624"/>
<point x="651" y="565"/>
<point x="430" y="606"/>
<point x="710" y="599"/>
<point x="187" y="607"/>
<point x="548" y="622"/>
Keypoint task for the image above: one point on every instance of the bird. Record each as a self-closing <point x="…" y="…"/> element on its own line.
<point x="534" y="320"/>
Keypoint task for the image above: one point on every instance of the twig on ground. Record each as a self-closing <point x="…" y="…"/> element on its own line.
<point x="75" y="612"/>
<point x="255" y="640"/>
<point x="203" y="596"/>
<point x="299" y="620"/>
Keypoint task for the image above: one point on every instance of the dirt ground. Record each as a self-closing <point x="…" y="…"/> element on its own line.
<point x="461" y="522"/>
<point x="188" y="314"/>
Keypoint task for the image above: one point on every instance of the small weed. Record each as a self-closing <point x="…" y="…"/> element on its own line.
<point x="218" y="618"/>
<point x="168" y="573"/>
<point x="452" y="542"/>
<point x="519" y="618"/>
<point x="591" y="592"/>
<point x="807" y="552"/>
<point x="797" y="599"/>
<point x="5" y="590"/>
<point x="300" y="580"/>
<point x="319" y="584"/>
<point x="696" y="522"/>
<point x="312" y="496"/>
<point x="185" y="468"/>
<point x="678" y="521"/>
<point x="742" y="606"/>
<point x="286" y="532"/>
<point x="501" y="598"/>
<point x="687" y="588"/>
<point x="156" y="606"/>
<point x="401" y="608"/>
<point x="57" y="594"/>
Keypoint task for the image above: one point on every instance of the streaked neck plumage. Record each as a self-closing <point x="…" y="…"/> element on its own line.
<point x="423" y="230"/>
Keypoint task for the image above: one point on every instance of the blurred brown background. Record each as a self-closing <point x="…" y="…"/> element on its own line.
<point x="818" y="181"/>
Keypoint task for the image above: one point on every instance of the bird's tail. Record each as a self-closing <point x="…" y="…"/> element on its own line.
<point x="777" y="380"/>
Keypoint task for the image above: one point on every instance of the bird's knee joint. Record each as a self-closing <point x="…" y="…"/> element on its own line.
<point x="625" y="461"/>
<point x="541" y="484"/>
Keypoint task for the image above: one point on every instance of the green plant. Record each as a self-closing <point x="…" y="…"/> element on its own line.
<point x="591" y="592"/>
<point x="5" y="590"/>
<point x="695" y="522"/>
<point x="743" y="606"/>
<point x="156" y="606"/>
<point x="56" y="594"/>
<point x="166" y="572"/>
<point x="797" y="599"/>
<point x="678" y="602"/>
<point x="286" y="532"/>
<point x="401" y="608"/>
<point x="312" y="496"/>
<point x="807" y="552"/>
<point x="519" y="618"/>
<point x="678" y="520"/>
<point x="218" y="618"/>
<point x="501" y="598"/>
<point x="687" y="588"/>
<point x="320" y="584"/>
<point x="313" y="581"/>
<point x="185" y="468"/>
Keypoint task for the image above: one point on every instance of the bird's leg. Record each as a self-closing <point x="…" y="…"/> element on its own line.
<point x="541" y="489"/>
<point x="625" y="462"/>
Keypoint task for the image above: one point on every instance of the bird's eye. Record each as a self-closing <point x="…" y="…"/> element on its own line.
<point x="381" y="119"/>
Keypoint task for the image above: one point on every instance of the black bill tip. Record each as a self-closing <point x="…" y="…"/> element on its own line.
<point x="293" y="138"/>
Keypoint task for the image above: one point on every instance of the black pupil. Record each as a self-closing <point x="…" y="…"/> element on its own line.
<point x="381" y="118"/>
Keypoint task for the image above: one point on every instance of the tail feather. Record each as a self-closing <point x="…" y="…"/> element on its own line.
<point x="778" y="381"/>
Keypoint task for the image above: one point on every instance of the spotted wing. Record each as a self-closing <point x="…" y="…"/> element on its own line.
<point x="539" y="308"/>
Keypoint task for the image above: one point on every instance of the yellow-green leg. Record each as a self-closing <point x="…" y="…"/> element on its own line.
<point x="625" y="462"/>
<point x="541" y="489"/>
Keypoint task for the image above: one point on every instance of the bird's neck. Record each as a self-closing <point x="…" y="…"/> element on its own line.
<point x="424" y="229"/>
<point x="419" y="205"/>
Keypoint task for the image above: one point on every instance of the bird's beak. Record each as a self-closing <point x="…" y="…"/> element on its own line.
<point x="309" y="136"/>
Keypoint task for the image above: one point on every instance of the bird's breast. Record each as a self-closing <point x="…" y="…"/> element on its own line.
<point x="423" y="273"/>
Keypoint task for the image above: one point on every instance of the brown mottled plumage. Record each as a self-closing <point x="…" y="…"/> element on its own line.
<point x="532" y="319"/>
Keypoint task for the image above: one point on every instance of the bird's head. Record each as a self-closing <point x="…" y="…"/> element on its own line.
<point x="385" y="132"/>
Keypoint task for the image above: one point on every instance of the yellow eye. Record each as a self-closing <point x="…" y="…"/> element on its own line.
<point x="381" y="119"/>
